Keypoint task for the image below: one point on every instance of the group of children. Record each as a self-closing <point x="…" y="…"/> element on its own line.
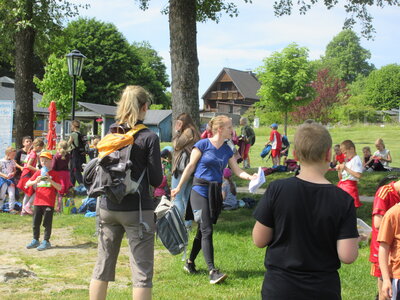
<point x="43" y="178"/>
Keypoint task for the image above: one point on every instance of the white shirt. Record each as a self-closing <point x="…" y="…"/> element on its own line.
<point x="383" y="154"/>
<point x="355" y="165"/>
<point x="7" y="166"/>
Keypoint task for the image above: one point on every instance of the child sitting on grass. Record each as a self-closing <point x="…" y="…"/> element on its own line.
<point x="337" y="157"/>
<point x="7" y="183"/>
<point x="350" y="171"/>
<point x="308" y="224"/>
<point x="229" y="191"/>
<point x="47" y="184"/>
<point x="368" y="162"/>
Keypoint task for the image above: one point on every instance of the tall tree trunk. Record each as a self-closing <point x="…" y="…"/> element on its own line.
<point x="24" y="41"/>
<point x="184" y="61"/>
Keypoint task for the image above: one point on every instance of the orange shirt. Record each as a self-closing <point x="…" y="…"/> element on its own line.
<point x="389" y="232"/>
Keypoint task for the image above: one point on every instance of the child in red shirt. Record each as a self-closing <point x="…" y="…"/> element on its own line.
<point x="275" y="139"/>
<point x="385" y="197"/>
<point x="47" y="184"/>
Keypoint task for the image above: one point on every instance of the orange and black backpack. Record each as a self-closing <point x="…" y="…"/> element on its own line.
<point x="109" y="174"/>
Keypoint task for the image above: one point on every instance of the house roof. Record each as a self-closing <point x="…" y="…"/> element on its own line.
<point x="7" y="93"/>
<point x="101" y="109"/>
<point x="245" y="81"/>
<point x="153" y="117"/>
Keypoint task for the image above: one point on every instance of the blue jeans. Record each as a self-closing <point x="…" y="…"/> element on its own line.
<point x="181" y="199"/>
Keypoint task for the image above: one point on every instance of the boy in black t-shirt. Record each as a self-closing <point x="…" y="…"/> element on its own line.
<point x="308" y="224"/>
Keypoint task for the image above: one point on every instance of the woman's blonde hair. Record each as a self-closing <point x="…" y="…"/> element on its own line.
<point x="132" y="100"/>
<point x="218" y="122"/>
<point x="63" y="148"/>
<point x="9" y="150"/>
<point x="380" y="142"/>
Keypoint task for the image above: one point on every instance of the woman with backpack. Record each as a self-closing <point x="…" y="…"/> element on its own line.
<point x="134" y="215"/>
<point x="208" y="159"/>
<point x="78" y="156"/>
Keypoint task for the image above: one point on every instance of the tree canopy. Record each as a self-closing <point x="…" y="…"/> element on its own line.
<point x="346" y="58"/>
<point x="56" y="86"/>
<point x="382" y="87"/>
<point x="286" y="79"/>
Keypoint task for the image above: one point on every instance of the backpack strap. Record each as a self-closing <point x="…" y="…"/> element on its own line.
<point x="141" y="222"/>
<point x="136" y="129"/>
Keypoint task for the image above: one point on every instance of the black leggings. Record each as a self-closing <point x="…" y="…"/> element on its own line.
<point x="45" y="213"/>
<point x="203" y="239"/>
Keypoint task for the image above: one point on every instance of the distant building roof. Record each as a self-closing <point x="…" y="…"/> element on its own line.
<point x="7" y="92"/>
<point x="153" y="117"/>
<point x="100" y="109"/>
<point x="245" y="81"/>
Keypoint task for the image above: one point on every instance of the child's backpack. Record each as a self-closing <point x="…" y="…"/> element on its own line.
<point x="69" y="206"/>
<point x="170" y="227"/>
<point x="109" y="174"/>
<point x="285" y="141"/>
<point x="82" y="149"/>
<point x="291" y="165"/>
<point x="265" y="151"/>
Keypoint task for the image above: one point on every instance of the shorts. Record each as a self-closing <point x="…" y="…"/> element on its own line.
<point x="113" y="225"/>
<point x="351" y="188"/>
<point x="375" y="270"/>
<point x="275" y="152"/>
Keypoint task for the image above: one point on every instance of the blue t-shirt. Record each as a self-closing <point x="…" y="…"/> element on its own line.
<point x="211" y="164"/>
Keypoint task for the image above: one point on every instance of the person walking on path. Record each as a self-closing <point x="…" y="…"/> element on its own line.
<point x="126" y="217"/>
<point x="208" y="159"/>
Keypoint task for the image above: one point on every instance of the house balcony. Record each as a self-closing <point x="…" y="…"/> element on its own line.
<point x="224" y="95"/>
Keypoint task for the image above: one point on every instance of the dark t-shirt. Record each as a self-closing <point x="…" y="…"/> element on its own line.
<point x="307" y="220"/>
<point x="145" y="153"/>
<point x="21" y="159"/>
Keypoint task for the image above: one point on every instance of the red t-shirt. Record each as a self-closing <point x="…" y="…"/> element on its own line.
<point x="276" y="139"/>
<point x="386" y="197"/>
<point x="45" y="192"/>
<point x="340" y="158"/>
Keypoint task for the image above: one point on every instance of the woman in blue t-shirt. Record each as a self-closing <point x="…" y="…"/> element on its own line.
<point x="208" y="159"/>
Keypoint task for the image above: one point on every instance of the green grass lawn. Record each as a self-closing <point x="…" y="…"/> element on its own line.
<point x="64" y="272"/>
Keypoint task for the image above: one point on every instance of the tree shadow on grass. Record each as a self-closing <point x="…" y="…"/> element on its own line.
<point x="78" y="246"/>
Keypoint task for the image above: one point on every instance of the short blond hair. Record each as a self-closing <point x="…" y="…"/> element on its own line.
<point x="132" y="100"/>
<point x="10" y="150"/>
<point x="380" y="142"/>
<point x="312" y="142"/>
<point x="348" y="144"/>
<point x="218" y="122"/>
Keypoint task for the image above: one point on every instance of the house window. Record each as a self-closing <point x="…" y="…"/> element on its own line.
<point x="226" y="86"/>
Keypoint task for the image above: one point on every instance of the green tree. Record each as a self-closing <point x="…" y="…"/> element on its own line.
<point x="56" y="86"/>
<point x="155" y="78"/>
<point x="27" y="25"/>
<point x="382" y="87"/>
<point x="183" y="15"/>
<point x="286" y="80"/>
<point x="110" y="64"/>
<point x="346" y="58"/>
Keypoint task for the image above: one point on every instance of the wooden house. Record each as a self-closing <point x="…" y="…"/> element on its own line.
<point x="232" y="92"/>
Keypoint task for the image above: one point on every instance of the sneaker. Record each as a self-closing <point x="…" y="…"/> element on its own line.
<point x="190" y="267"/>
<point x="216" y="276"/>
<point x="33" y="244"/>
<point x="44" y="245"/>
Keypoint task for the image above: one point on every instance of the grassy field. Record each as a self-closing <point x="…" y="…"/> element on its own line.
<point x="64" y="271"/>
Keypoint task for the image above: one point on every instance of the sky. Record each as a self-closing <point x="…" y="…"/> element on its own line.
<point x="244" y="41"/>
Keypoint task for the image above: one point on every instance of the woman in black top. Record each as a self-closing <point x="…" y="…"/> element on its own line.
<point x="119" y="218"/>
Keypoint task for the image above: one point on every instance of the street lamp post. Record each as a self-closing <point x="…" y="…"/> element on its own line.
<point x="75" y="63"/>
